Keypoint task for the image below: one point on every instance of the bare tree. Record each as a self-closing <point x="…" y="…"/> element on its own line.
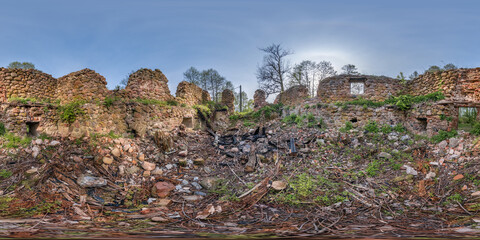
<point x="350" y="69"/>
<point x="450" y="66"/>
<point x="192" y="75"/>
<point x="271" y="75"/>
<point x="309" y="74"/>
<point x="212" y="81"/>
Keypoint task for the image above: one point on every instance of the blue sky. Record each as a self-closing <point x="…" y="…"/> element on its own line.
<point x="115" y="37"/>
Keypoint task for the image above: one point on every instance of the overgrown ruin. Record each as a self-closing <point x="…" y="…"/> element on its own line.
<point x="363" y="155"/>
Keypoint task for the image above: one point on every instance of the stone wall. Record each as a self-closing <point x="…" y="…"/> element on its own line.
<point x="148" y="84"/>
<point x="228" y="99"/>
<point x="85" y="84"/>
<point x="292" y="96"/>
<point x="378" y="88"/>
<point x="191" y="94"/>
<point x="259" y="99"/>
<point x="457" y="85"/>
<point x="28" y="83"/>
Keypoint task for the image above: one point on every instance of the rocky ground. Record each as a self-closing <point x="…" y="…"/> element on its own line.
<point x="283" y="177"/>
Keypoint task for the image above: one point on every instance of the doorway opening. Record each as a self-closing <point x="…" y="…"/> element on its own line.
<point x="32" y="129"/>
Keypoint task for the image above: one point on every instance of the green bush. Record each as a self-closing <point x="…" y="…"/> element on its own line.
<point x="373" y="168"/>
<point x="13" y="141"/>
<point x="386" y="129"/>
<point x="399" y="128"/>
<point x="109" y="100"/>
<point x="5" y="174"/>
<point x="292" y="118"/>
<point x="476" y="129"/>
<point x="372" y="126"/>
<point x="348" y="127"/>
<point x="3" y="130"/>
<point x="70" y="111"/>
<point x="172" y="103"/>
<point x="22" y="100"/>
<point x="443" y="135"/>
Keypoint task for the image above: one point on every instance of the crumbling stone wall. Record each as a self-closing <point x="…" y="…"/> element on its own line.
<point x="457" y="85"/>
<point x="292" y="96"/>
<point x="148" y="84"/>
<point x="85" y="84"/>
<point x="191" y="94"/>
<point x="29" y="83"/>
<point x="378" y="88"/>
<point x="259" y="99"/>
<point x="228" y="99"/>
<point x="16" y="116"/>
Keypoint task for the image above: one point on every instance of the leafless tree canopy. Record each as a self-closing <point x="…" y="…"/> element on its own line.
<point x="271" y="75"/>
<point x="350" y="69"/>
<point x="310" y="73"/>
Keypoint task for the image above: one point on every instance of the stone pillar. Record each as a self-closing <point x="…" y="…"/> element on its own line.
<point x="228" y="100"/>
<point x="259" y="99"/>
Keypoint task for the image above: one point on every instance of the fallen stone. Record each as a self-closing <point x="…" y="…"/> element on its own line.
<point x="162" y="189"/>
<point x="279" y="185"/>
<point x="91" y="181"/>
<point x="148" y="166"/>
<point x="54" y="143"/>
<point x="443" y="144"/>
<point x="32" y="170"/>
<point x="454" y="142"/>
<point x="159" y="219"/>
<point x="430" y="175"/>
<point x="475" y="194"/>
<point x="133" y="169"/>
<point x="458" y="177"/>
<point x="192" y="198"/>
<point x="163" y="202"/>
<point x="107" y="160"/>
<point x="116" y="152"/>
<point x="141" y="157"/>
<point x="385" y="155"/>
<point x="199" y="161"/>
<point x="38" y="141"/>
<point x="157" y="171"/>
<point x="183" y="153"/>
<point x="410" y="170"/>
<point x="35" y="151"/>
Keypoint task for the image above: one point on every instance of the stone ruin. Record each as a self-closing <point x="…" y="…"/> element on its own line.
<point x="259" y="99"/>
<point x="228" y="99"/>
<point x="29" y="103"/>
<point x="293" y="95"/>
<point x="461" y="88"/>
<point x="348" y="87"/>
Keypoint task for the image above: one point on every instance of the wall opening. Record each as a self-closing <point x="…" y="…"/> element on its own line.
<point x="357" y="86"/>
<point x="188" y="122"/>
<point x="32" y="129"/>
<point x="467" y="117"/>
<point x="422" y="122"/>
<point x="354" y="120"/>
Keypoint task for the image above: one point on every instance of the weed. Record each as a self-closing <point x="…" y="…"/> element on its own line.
<point x="443" y="135"/>
<point x="22" y="100"/>
<point x="71" y="111"/>
<point x="5" y="173"/>
<point x="399" y="128"/>
<point x="292" y="118"/>
<point x="373" y="168"/>
<point x="109" y="100"/>
<point x="372" y="126"/>
<point x="3" y="130"/>
<point x="455" y="198"/>
<point x="348" y="127"/>
<point x="13" y="141"/>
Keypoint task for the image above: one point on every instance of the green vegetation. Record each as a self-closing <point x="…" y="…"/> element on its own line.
<point x="372" y="126"/>
<point x="443" y="135"/>
<point x="71" y="111"/>
<point x="3" y="130"/>
<point x="109" y="100"/>
<point x="403" y="102"/>
<point x="267" y="112"/>
<point x="5" y="173"/>
<point x="148" y="101"/>
<point x="348" y="126"/>
<point x="13" y="141"/>
<point x="22" y="100"/>
<point x="373" y="168"/>
<point x="21" y="65"/>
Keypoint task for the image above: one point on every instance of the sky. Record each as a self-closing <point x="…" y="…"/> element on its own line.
<point x="116" y="37"/>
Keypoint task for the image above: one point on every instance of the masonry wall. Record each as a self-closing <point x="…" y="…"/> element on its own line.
<point x="26" y="84"/>
<point x="85" y="84"/>
<point x="191" y="94"/>
<point x="148" y="84"/>
<point x="458" y="84"/>
<point x="378" y="88"/>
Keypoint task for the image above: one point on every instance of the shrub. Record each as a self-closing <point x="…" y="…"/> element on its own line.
<point x="348" y="127"/>
<point x="373" y="168"/>
<point x="371" y="127"/>
<point x="172" y="103"/>
<point x="5" y="173"/>
<point x="69" y="112"/>
<point x="399" y="128"/>
<point x="443" y="135"/>
<point x="475" y="129"/>
<point x="3" y="130"/>
<point x="292" y="118"/>
<point x="386" y="129"/>
<point x="108" y="101"/>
